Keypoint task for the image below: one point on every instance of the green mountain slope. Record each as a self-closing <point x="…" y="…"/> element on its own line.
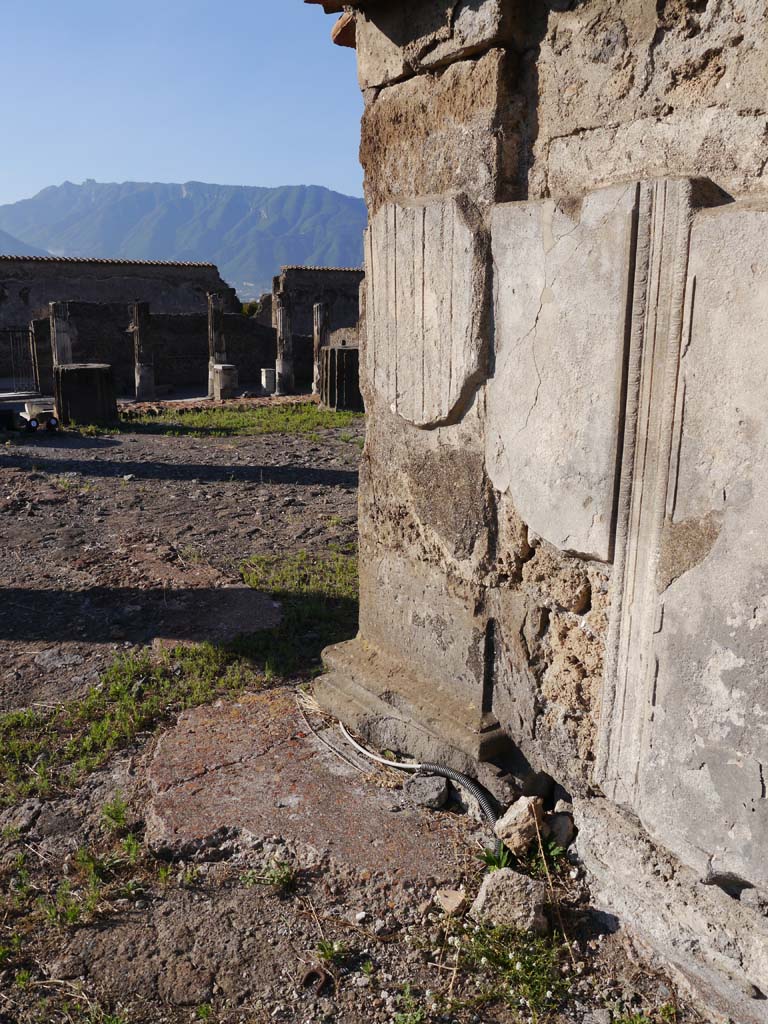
<point x="249" y="232"/>
<point x="10" y="246"/>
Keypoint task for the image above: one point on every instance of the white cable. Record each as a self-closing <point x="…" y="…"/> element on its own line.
<point x="375" y="757"/>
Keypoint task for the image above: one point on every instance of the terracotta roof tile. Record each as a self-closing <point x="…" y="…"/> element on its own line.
<point x="95" y="259"/>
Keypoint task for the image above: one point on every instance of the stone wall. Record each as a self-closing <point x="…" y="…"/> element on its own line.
<point x="339" y="288"/>
<point x="98" y="333"/>
<point x="560" y="513"/>
<point x="29" y="284"/>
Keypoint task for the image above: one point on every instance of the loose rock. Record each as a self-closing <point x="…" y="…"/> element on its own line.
<point x="517" y="829"/>
<point x="430" y="791"/>
<point x="512" y="900"/>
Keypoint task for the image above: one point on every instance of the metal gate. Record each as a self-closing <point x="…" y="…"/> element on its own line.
<point x="17" y="368"/>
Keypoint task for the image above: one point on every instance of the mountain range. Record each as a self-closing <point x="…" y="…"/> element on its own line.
<point x="248" y="231"/>
<point x="15" y="247"/>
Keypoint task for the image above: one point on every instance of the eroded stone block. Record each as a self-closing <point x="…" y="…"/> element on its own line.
<point x="427" y="269"/>
<point x="562" y="271"/>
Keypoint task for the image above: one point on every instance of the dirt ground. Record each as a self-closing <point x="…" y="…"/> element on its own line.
<point x="110" y="542"/>
<point x="240" y="863"/>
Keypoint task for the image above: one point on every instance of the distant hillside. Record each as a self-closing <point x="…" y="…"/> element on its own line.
<point x="249" y="232"/>
<point x="10" y="246"/>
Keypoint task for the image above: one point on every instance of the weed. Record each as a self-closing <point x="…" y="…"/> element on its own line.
<point x="115" y="814"/>
<point x="332" y="953"/>
<point x="132" y="848"/>
<point x="666" y="1014"/>
<point x="494" y="859"/>
<point x="10" y="949"/>
<point x="523" y="970"/>
<point x="164" y="874"/>
<point x="368" y="968"/>
<point x="334" y="521"/>
<point x="190" y="876"/>
<point x="23" y="978"/>
<point x="411" y="1012"/>
<point x="63" y="909"/>
<point x="204" y="1012"/>
<point x="281" y="876"/>
<point x="46" y="751"/>
<point x="11" y="834"/>
<point x="548" y="855"/>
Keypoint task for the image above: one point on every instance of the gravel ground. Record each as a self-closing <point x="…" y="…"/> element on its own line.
<point x="126" y="541"/>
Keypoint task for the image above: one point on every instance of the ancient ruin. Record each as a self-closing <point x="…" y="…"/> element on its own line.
<point x="28" y="284"/>
<point x="561" y="514"/>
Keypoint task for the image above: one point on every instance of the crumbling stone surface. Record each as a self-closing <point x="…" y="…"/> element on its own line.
<point x="512" y="900"/>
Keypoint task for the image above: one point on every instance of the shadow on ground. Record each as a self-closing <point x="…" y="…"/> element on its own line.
<point x="306" y="475"/>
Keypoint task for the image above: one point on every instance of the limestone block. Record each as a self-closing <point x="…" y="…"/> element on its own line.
<point x="395" y="40"/>
<point x="714" y="943"/>
<point x="407" y="611"/>
<point x="427" y="270"/>
<point x="439" y="134"/>
<point x="224" y="381"/>
<point x="509" y="899"/>
<point x="686" y="737"/>
<point x="562" y="274"/>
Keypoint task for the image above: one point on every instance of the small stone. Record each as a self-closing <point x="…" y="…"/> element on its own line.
<point x="430" y="791"/>
<point x="450" y="900"/>
<point x="512" y="900"/>
<point x="360" y="916"/>
<point x="561" y="829"/>
<point x="129" y="476"/>
<point x="517" y="829"/>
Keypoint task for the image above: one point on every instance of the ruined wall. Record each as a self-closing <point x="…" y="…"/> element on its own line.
<point x="98" y="332"/>
<point x="29" y="284"/>
<point x="251" y="346"/>
<point x="305" y="286"/>
<point x="180" y="345"/>
<point x="549" y="480"/>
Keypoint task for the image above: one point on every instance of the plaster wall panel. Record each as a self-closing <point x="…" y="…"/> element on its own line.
<point x="427" y="343"/>
<point x="686" y="730"/>
<point x="561" y="277"/>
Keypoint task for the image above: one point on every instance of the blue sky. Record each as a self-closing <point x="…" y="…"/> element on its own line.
<point x="237" y="92"/>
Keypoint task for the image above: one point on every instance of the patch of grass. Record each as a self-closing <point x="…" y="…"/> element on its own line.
<point x="43" y="752"/>
<point x="521" y="969"/>
<point x="666" y="1014"/>
<point x="318" y="596"/>
<point x="238" y="421"/>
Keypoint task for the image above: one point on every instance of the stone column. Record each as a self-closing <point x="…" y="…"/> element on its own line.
<point x="61" y="333"/>
<point x="217" y="346"/>
<point x="322" y="332"/>
<point x="143" y="351"/>
<point x="284" y="364"/>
